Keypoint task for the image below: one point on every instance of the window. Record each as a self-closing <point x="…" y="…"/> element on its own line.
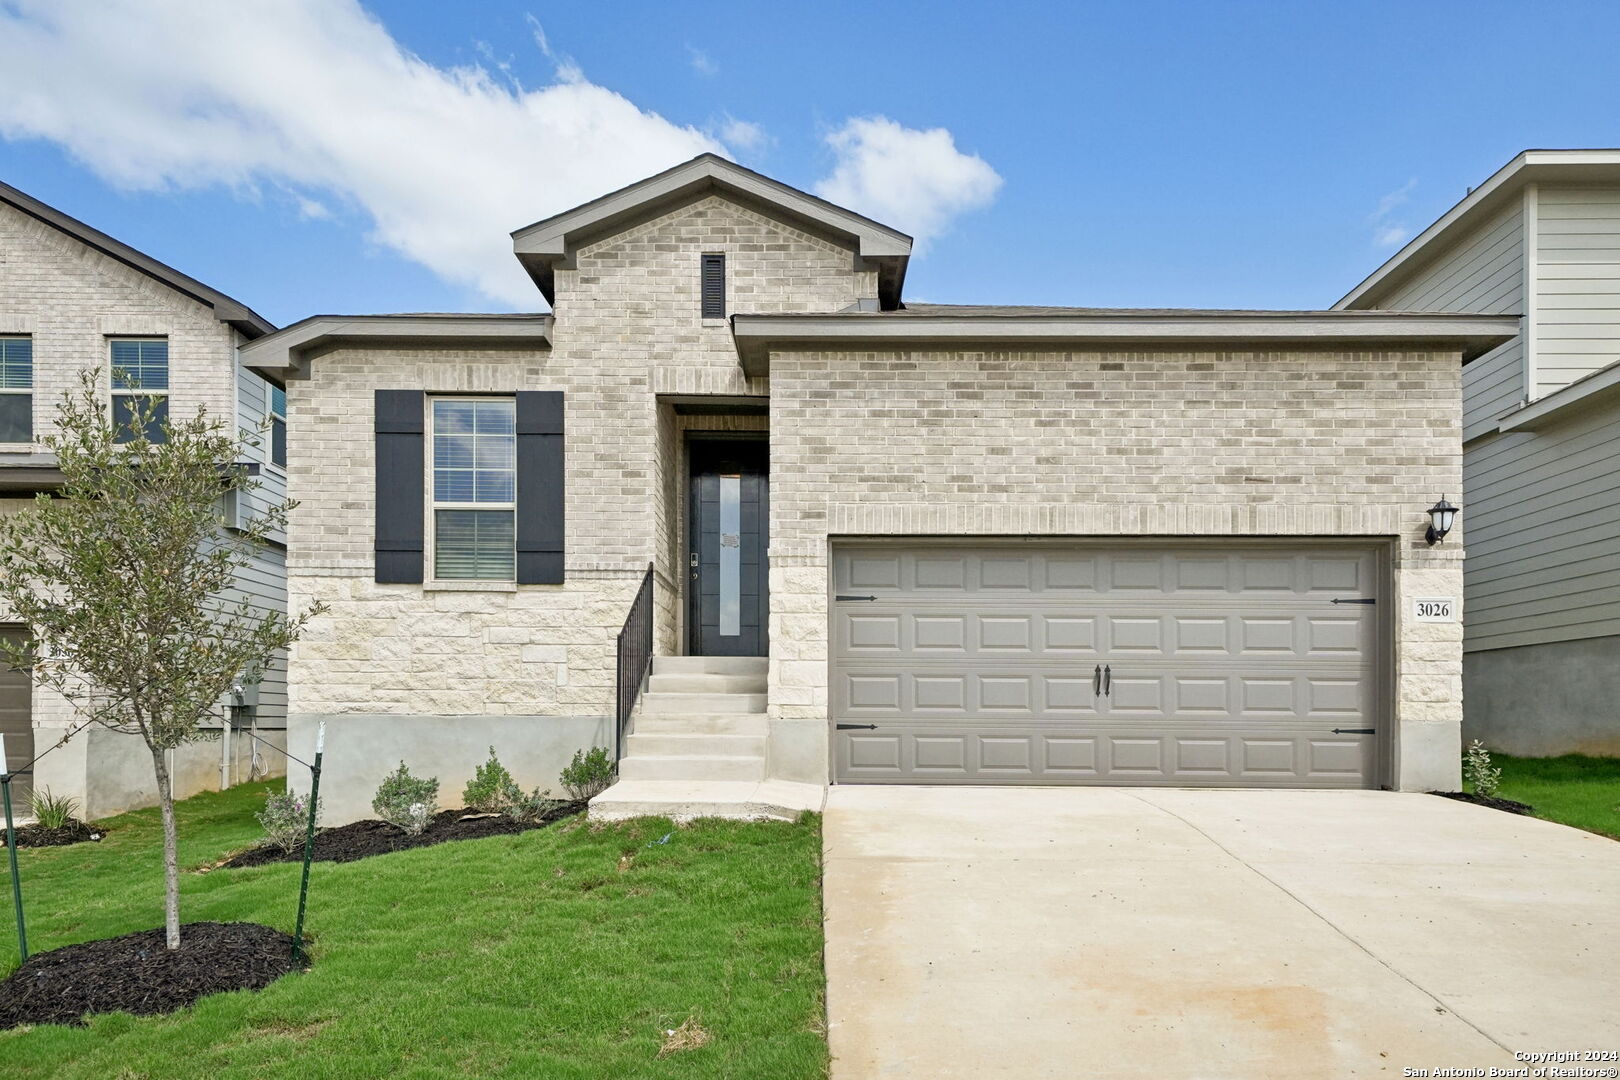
<point x="278" y="426"/>
<point x="474" y="488"/>
<point x="140" y="384"/>
<point x="16" y="390"/>
<point x="714" y="286"/>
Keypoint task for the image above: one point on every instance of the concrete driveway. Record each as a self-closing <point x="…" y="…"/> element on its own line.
<point x="1170" y="933"/>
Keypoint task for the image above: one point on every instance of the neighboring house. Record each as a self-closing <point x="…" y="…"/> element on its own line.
<point x="887" y="543"/>
<point x="74" y="299"/>
<point x="1540" y="240"/>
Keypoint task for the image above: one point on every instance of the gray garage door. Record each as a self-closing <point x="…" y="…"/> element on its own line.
<point x="1237" y="666"/>
<point x="16" y="722"/>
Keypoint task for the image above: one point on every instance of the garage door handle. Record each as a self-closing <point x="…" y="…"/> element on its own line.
<point x="1108" y="680"/>
<point x="1355" y="731"/>
<point x="841" y="596"/>
<point x="857" y="727"/>
<point x="1096" y="681"/>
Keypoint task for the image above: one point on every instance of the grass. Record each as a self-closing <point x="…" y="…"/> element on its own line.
<point x="1572" y="790"/>
<point x="570" y="951"/>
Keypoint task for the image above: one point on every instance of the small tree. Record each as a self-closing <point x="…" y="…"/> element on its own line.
<point x="123" y="575"/>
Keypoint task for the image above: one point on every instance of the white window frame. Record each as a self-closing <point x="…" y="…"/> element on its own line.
<point x="116" y="391"/>
<point x="434" y="505"/>
<point x="19" y="391"/>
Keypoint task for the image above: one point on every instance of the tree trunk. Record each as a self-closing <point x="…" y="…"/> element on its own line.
<point x="171" y="856"/>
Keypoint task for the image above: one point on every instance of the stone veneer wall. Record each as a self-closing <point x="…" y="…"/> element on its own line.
<point x="424" y="659"/>
<point x="1097" y="443"/>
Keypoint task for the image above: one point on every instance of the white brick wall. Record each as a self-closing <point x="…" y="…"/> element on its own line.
<point x="628" y="328"/>
<point x="1063" y="443"/>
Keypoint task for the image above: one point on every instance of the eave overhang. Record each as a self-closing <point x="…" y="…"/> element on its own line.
<point x="1504" y="185"/>
<point x="757" y="336"/>
<point x="286" y="354"/>
<point x="1598" y="390"/>
<point x="548" y="244"/>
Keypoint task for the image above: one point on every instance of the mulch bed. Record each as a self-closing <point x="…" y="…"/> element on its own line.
<point x="1486" y="800"/>
<point x="74" y="832"/>
<point x="137" y="974"/>
<point x="362" y="839"/>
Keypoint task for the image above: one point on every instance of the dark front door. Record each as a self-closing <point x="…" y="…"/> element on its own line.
<point x="726" y="548"/>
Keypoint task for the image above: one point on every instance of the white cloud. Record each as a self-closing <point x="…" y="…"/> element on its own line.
<point x="743" y="134"/>
<point x="317" y="97"/>
<point x="916" y="181"/>
<point x="701" y="62"/>
<point x="1388" y="232"/>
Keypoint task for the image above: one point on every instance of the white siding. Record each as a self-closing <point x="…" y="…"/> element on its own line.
<point x="1577" y="284"/>
<point x="1543" y="534"/>
<point x="1485" y="273"/>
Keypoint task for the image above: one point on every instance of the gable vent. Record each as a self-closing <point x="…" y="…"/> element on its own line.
<point x="714" y="286"/>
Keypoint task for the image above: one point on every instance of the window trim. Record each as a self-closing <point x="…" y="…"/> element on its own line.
<point x="115" y="391"/>
<point x="270" y="390"/>
<point x="430" y="531"/>
<point x="21" y="391"/>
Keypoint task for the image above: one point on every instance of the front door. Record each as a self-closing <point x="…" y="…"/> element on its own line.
<point x="726" y="594"/>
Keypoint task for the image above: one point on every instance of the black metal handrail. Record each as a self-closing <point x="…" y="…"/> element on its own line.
<point x="635" y="657"/>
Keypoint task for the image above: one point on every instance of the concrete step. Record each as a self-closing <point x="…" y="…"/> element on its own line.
<point x="686" y="743"/>
<point x="699" y="724"/>
<point x="702" y="703"/>
<point x="705" y="683"/>
<point x="711" y="665"/>
<point x="683" y="800"/>
<point x="693" y="768"/>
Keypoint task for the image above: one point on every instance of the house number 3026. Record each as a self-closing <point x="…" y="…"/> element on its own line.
<point x="1434" y="609"/>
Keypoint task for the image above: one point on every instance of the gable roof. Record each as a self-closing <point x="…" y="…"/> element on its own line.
<point x="239" y="315"/>
<point x="1567" y="166"/>
<point x="550" y="243"/>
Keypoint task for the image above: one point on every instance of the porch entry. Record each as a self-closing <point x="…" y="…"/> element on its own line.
<point x="725" y="553"/>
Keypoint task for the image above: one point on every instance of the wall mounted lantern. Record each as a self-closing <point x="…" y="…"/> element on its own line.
<point x="1441" y="515"/>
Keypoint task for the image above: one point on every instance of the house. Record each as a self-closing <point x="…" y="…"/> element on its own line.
<point x="1539" y="240"/>
<point x="74" y="299"/>
<point x="866" y="540"/>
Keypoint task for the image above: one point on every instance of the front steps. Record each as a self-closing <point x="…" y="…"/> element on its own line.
<point x="696" y="747"/>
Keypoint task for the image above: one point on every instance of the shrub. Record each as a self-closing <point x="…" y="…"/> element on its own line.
<point x="54" y="811"/>
<point x="535" y="806"/>
<point x="285" y="818"/>
<point x="588" y="775"/>
<point x="1478" y="772"/>
<point x="491" y="787"/>
<point x="407" y="802"/>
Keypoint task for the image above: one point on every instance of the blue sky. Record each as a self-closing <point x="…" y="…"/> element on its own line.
<point x="1130" y="154"/>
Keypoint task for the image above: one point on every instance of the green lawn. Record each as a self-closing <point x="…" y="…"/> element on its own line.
<point x="557" y="953"/>
<point x="1573" y="789"/>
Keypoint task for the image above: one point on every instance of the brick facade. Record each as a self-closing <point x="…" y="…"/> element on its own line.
<point x="1040" y="442"/>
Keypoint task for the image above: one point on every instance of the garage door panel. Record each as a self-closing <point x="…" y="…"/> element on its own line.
<point x="17" y="722"/>
<point x="1226" y="667"/>
<point x="1020" y="755"/>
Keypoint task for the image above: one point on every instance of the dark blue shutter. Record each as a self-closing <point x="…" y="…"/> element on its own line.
<point x="540" y="487"/>
<point x="400" y="482"/>
<point x="714" y="286"/>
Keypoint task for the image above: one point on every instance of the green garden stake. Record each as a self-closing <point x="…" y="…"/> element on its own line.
<point x="309" y="842"/>
<point x="11" y="851"/>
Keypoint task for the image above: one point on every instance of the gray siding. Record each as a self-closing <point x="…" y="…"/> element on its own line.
<point x="1543" y="534"/>
<point x="1577" y="284"/>
<point x="264" y="581"/>
<point x="1483" y="274"/>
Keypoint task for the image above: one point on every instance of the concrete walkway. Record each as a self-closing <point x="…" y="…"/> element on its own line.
<point x="1096" y="932"/>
